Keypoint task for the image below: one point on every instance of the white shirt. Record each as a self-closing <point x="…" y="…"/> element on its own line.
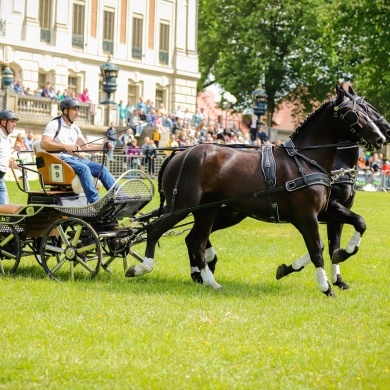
<point x="68" y="135"/>
<point x="5" y="151"/>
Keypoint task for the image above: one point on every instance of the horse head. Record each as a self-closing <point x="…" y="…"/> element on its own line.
<point x="372" y="112"/>
<point x="357" y="119"/>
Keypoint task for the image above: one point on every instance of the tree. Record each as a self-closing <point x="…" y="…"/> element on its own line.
<point x="244" y="42"/>
<point x="357" y="34"/>
<point x="298" y="49"/>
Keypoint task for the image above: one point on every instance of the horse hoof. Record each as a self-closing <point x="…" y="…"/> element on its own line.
<point x="216" y="286"/>
<point x="196" y="277"/>
<point x="340" y="283"/>
<point x="330" y="293"/>
<point x="284" y="270"/>
<point x="138" y="270"/>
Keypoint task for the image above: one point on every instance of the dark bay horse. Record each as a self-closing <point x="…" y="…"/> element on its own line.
<point x="204" y="177"/>
<point x="338" y="213"/>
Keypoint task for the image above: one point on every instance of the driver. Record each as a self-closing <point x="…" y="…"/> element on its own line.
<point x="61" y="135"/>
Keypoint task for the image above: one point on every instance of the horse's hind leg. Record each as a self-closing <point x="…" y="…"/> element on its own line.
<point x="154" y="231"/>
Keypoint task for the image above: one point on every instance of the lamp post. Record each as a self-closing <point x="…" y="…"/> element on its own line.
<point x="109" y="72"/>
<point x="7" y="76"/>
<point x="229" y="101"/>
<point x="259" y="103"/>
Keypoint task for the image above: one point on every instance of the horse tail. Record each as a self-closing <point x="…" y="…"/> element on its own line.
<point x="160" y="175"/>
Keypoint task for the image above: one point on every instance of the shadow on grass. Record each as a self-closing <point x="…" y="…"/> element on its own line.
<point x="155" y="283"/>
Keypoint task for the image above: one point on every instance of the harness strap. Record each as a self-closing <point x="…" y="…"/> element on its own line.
<point x="174" y="192"/>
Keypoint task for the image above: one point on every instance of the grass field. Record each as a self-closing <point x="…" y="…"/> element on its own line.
<point x="161" y="331"/>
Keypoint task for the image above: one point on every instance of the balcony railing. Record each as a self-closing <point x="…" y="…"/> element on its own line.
<point x="3" y="27"/>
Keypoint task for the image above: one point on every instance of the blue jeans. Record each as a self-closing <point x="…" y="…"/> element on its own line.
<point x="3" y="192"/>
<point x="86" y="170"/>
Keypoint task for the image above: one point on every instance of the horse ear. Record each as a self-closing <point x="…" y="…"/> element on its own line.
<point x="340" y="94"/>
<point x="351" y="91"/>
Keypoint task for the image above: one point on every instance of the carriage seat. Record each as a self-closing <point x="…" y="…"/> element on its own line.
<point x="10" y="208"/>
<point x="55" y="172"/>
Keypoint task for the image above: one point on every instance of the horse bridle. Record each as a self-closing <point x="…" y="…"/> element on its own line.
<point x="356" y="106"/>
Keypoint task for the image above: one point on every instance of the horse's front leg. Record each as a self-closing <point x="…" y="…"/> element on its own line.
<point x="154" y="232"/>
<point x="197" y="241"/>
<point x="210" y="257"/>
<point x="315" y="246"/>
<point x="334" y="235"/>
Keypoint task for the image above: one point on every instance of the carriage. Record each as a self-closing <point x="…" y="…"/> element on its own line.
<point x="68" y="237"/>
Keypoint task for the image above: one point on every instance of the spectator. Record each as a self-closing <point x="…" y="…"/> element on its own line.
<point x="29" y="92"/>
<point x="196" y="119"/>
<point x="262" y="135"/>
<point x="65" y="138"/>
<point x="141" y="123"/>
<point x="187" y="117"/>
<point x="172" y="143"/>
<point x="19" y="143"/>
<point x="149" y="106"/>
<point x="203" y="115"/>
<point x="79" y="97"/>
<point x="177" y="126"/>
<point x="65" y="94"/>
<point x="151" y="155"/>
<point x="144" y="148"/>
<point x="29" y="140"/>
<point x="376" y="163"/>
<point x="84" y="98"/>
<point x="59" y="95"/>
<point x="133" y="155"/>
<point x="126" y="139"/>
<point x="8" y="121"/>
<point x="18" y="87"/>
<point x="112" y="139"/>
<point x="361" y="163"/>
<point x="122" y="110"/>
<point x="130" y="110"/>
<point x="253" y="128"/>
<point x="141" y="105"/>
<point x="48" y="91"/>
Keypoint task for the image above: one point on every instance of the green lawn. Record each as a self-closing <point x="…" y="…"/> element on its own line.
<point x="161" y="331"/>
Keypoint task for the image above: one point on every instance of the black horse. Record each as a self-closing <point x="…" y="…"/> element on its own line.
<point x="335" y="216"/>
<point x="199" y="180"/>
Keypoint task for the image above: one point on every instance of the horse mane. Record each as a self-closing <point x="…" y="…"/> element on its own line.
<point x="309" y="118"/>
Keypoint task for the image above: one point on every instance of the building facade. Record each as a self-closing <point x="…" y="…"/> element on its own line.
<point x="64" y="42"/>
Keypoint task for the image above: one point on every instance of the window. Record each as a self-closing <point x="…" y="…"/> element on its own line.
<point x="73" y="85"/>
<point x="132" y="94"/>
<point x="108" y="32"/>
<point x="159" y="97"/>
<point x="164" y="43"/>
<point x="78" y="25"/>
<point x="45" y="19"/>
<point x="137" y="38"/>
<point x="41" y="80"/>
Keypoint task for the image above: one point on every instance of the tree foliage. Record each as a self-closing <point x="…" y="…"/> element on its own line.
<point x="298" y="50"/>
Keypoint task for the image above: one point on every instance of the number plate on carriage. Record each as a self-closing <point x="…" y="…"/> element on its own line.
<point x="57" y="173"/>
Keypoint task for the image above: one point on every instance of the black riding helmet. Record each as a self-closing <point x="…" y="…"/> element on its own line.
<point x="8" y="115"/>
<point x="69" y="103"/>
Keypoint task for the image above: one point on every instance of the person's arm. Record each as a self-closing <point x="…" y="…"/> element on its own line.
<point x="49" y="145"/>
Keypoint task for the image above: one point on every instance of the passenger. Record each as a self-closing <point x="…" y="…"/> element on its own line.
<point x="61" y="135"/>
<point x="8" y="121"/>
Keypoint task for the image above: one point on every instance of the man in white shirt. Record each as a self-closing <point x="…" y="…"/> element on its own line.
<point x="8" y="121"/>
<point x="61" y="135"/>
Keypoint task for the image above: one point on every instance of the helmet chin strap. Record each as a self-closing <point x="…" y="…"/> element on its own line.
<point x="67" y="116"/>
<point x="6" y="127"/>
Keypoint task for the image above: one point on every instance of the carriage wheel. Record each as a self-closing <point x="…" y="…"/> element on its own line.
<point x="10" y="250"/>
<point x="71" y="248"/>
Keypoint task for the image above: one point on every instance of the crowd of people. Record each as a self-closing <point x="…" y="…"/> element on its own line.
<point x="373" y="163"/>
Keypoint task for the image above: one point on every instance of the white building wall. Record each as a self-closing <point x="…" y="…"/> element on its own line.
<point x="22" y="49"/>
